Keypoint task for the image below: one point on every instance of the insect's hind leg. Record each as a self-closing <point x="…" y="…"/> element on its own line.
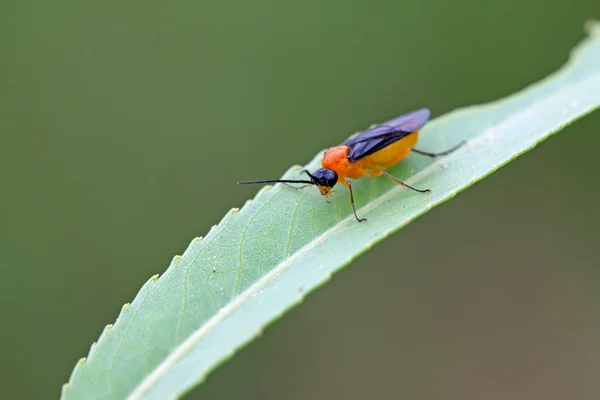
<point x="399" y="182"/>
<point x="443" y="153"/>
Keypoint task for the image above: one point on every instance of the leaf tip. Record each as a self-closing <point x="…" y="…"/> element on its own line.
<point x="155" y="277"/>
<point x="82" y="361"/>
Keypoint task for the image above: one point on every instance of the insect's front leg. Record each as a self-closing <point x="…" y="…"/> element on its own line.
<point x="349" y="185"/>
<point x="297" y="187"/>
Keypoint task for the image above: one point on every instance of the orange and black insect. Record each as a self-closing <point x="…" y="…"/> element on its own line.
<point x="368" y="153"/>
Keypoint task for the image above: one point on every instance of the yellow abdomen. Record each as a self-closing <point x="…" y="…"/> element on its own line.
<point x="390" y="155"/>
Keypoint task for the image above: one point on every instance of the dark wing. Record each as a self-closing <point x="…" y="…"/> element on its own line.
<point x="380" y="136"/>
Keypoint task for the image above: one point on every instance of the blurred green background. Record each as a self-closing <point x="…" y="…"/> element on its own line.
<point x="126" y="125"/>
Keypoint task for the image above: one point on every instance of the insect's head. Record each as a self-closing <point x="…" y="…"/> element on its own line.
<point x="325" y="179"/>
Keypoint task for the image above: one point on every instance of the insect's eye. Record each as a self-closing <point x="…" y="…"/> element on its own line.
<point x="332" y="179"/>
<point x="325" y="177"/>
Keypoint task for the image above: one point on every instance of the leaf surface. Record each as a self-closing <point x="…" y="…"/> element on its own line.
<point x="261" y="260"/>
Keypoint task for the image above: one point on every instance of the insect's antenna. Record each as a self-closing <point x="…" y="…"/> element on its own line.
<point x="312" y="178"/>
<point x="277" y="181"/>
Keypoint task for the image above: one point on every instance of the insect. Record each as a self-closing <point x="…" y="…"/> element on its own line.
<point x="368" y="153"/>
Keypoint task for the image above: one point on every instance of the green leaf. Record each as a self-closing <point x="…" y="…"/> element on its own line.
<point x="263" y="259"/>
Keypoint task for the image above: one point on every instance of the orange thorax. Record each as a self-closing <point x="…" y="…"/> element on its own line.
<point x="336" y="159"/>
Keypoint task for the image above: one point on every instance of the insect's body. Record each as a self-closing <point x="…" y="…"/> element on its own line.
<point x="336" y="159"/>
<point x="368" y="153"/>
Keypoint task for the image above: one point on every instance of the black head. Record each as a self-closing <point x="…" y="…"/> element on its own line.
<point x="325" y="179"/>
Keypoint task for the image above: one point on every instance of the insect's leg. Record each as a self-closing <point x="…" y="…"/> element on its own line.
<point x="296" y="187"/>
<point x="443" y="153"/>
<point x="352" y="203"/>
<point x="398" y="181"/>
<point x="372" y="174"/>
